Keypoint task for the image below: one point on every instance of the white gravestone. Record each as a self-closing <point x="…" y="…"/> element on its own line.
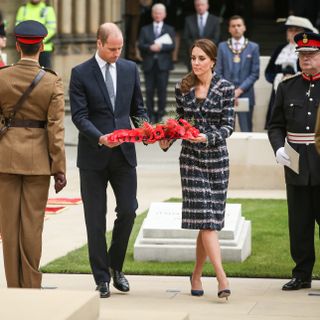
<point x="161" y="237"/>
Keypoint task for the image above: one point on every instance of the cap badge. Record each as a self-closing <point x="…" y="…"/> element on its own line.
<point x="305" y="38"/>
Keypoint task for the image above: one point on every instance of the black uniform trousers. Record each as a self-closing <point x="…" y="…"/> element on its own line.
<point x="156" y="80"/>
<point x="304" y="211"/>
<point x="123" y="180"/>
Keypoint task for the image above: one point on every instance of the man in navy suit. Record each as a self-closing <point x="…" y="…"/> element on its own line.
<point x="156" y="59"/>
<point x="104" y="94"/>
<point x="200" y="25"/>
<point x="238" y="61"/>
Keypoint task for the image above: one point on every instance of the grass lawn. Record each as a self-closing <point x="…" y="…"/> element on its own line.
<point x="270" y="248"/>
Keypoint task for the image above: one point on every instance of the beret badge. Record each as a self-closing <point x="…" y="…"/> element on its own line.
<point x="305" y="39"/>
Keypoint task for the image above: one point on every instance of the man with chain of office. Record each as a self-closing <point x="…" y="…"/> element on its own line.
<point x="238" y="62"/>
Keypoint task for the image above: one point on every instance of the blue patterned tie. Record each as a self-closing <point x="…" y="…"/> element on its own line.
<point x="109" y="84"/>
<point x="157" y="31"/>
<point x="201" y="26"/>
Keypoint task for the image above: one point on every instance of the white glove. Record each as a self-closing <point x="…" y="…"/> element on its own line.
<point x="282" y="157"/>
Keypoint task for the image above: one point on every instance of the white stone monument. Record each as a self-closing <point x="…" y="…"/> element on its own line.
<point x="161" y="237"/>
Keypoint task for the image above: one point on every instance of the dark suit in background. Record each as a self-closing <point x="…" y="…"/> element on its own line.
<point x="156" y="67"/>
<point x="191" y="32"/>
<point x="94" y="116"/>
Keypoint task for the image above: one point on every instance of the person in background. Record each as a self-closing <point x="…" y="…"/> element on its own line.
<point x="208" y="99"/>
<point x="3" y="43"/>
<point x="293" y="120"/>
<point x="200" y="25"/>
<point x="156" y="60"/>
<point x="239" y="62"/>
<point x="38" y="10"/>
<point x="132" y="15"/>
<point x="32" y="150"/>
<point x="105" y="95"/>
<point x="175" y="18"/>
<point x="284" y="59"/>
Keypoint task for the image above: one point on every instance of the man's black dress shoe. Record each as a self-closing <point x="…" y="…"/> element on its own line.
<point x="119" y="280"/>
<point x="104" y="290"/>
<point x="296" y="284"/>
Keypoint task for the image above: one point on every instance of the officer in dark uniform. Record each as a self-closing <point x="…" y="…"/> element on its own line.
<point x="293" y="119"/>
<point x="32" y="150"/>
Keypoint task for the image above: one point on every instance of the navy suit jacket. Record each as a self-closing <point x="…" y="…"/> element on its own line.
<point x="249" y="67"/>
<point x="146" y="39"/>
<point x="93" y="115"/>
<point x="211" y="29"/>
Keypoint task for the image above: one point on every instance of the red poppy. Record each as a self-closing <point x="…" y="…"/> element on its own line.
<point x="137" y="135"/>
<point x="185" y="123"/>
<point x="158" y="132"/>
<point x="172" y="129"/>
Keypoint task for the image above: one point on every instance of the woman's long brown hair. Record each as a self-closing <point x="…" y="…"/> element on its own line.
<point x="210" y="49"/>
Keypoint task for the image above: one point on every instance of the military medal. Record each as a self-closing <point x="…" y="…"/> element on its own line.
<point x="236" y="58"/>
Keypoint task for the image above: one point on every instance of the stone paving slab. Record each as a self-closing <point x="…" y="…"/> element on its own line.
<point x="35" y="304"/>
<point x="260" y="299"/>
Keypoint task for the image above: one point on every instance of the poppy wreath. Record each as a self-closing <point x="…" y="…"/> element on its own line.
<point x="171" y="129"/>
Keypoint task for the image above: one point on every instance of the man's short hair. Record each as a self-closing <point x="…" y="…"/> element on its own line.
<point x="30" y="49"/>
<point x="159" y="6"/>
<point x="236" y="17"/>
<point x="205" y="1"/>
<point x="107" y="29"/>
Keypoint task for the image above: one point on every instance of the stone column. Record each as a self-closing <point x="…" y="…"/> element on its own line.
<point x="116" y="11"/>
<point x="112" y="11"/>
<point x="65" y="12"/>
<point x="80" y="17"/>
<point x="106" y="14"/>
<point x="93" y="11"/>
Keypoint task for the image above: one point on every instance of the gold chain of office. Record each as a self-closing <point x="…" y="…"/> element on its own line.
<point x="236" y="58"/>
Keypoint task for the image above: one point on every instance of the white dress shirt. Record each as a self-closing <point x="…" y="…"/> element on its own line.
<point x="204" y="19"/>
<point x="237" y="44"/>
<point x="112" y="70"/>
<point x="157" y="26"/>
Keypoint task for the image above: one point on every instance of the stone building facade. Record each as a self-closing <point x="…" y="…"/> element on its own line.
<point x="77" y="23"/>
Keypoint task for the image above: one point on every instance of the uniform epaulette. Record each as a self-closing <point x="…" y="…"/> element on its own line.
<point x="290" y="76"/>
<point x="49" y="70"/>
<point x="7" y="66"/>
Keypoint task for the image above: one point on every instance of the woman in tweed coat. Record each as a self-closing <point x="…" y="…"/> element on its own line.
<point x="208" y="100"/>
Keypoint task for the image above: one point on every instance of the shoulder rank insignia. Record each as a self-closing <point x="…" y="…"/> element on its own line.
<point x="49" y="70"/>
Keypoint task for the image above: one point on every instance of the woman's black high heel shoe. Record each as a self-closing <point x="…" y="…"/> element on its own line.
<point x="197" y="293"/>
<point x="225" y="293"/>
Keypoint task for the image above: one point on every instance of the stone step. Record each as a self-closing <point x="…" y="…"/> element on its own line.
<point x="172" y="81"/>
<point x="171" y="103"/>
<point x="170" y="90"/>
<point x="179" y="68"/>
<point x="43" y="304"/>
<point x="121" y="314"/>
